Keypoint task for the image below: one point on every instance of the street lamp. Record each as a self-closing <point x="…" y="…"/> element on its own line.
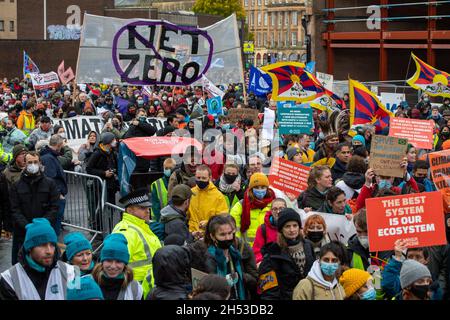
<point x="305" y="22"/>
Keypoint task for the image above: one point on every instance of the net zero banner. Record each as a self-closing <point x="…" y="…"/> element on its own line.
<point x="157" y="52"/>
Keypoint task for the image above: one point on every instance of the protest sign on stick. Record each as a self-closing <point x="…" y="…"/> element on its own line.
<point x="288" y="176"/>
<point x="418" y="132"/>
<point x="416" y="218"/>
<point x="386" y="155"/>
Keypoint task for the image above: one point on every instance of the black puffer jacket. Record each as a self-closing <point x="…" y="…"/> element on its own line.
<point x="33" y="197"/>
<point x="278" y="264"/>
<point x="171" y="268"/>
<point x="311" y="198"/>
<point x="99" y="162"/>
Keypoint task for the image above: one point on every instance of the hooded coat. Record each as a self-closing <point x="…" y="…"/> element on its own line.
<point x="171" y="269"/>
<point x="351" y="183"/>
<point x="266" y="233"/>
<point x="175" y="222"/>
<point x="311" y="198"/>
<point x="315" y="287"/>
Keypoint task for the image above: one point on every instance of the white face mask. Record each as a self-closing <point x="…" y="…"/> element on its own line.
<point x="33" y="168"/>
<point x="114" y="144"/>
<point x="364" y="240"/>
<point x="62" y="135"/>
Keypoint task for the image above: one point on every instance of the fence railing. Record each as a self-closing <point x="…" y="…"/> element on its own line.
<point x="85" y="201"/>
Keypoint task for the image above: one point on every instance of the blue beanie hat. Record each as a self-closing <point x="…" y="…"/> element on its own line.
<point x="87" y="290"/>
<point x="38" y="233"/>
<point x="359" y="138"/>
<point x="115" y="248"/>
<point x="75" y="242"/>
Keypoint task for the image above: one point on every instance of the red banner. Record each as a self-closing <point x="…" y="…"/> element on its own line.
<point x="418" y="132"/>
<point x="153" y="147"/>
<point x="288" y="176"/>
<point x="417" y="218"/>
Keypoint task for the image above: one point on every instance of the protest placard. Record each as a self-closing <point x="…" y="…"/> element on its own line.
<point x="392" y="100"/>
<point x="158" y="52"/>
<point x="214" y="106"/>
<point x="269" y="122"/>
<point x="196" y="276"/>
<point x="325" y="79"/>
<point x="386" y="155"/>
<point x="288" y="176"/>
<point x="42" y="81"/>
<point x="235" y="115"/>
<point x="418" y="132"/>
<point x="339" y="228"/>
<point x="440" y="173"/>
<point x="416" y="218"/>
<point x="77" y="128"/>
<point x="293" y="119"/>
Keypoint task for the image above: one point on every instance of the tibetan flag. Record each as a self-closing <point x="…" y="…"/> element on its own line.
<point x="260" y="82"/>
<point x="291" y="82"/>
<point x="326" y="100"/>
<point x="29" y="66"/>
<point x="365" y="107"/>
<point x="432" y="81"/>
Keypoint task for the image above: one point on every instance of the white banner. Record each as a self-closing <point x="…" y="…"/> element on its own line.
<point x="157" y="52"/>
<point x="326" y="80"/>
<point x="209" y="87"/>
<point x="77" y="129"/>
<point x="338" y="226"/>
<point x="392" y="100"/>
<point x="42" y="81"/>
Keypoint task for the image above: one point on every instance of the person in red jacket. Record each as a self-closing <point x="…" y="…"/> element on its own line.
<point x="267" y="232"/>
<point x="374" y="184"/>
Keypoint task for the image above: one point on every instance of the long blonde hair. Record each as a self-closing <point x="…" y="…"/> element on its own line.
<point x="97" y="274"/>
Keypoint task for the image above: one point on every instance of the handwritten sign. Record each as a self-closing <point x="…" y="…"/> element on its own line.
<point x="415" y="218"/>
<point x="288" y="176"/>
<point x="418" y="132"/>
<point x="196" y="276"/>
<point x="235" y="115"/>
<point x="386" y="154"/>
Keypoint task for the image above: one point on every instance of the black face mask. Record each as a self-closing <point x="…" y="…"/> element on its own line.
<point x="421" y="291"/>
<point x="229" y="178"/>
<point x="445" y="134"/>
<point x="291" y="242"/>
<point x="191" y="130"/>
<point x="202" y="184"/>
<point x="419" y="180"/>
<point x="224" y="244"/>
<point x="315" y="236"/>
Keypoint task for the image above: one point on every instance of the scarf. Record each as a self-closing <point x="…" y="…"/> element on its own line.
<point x="248" y="205"/>
<point x="226" y="188"/>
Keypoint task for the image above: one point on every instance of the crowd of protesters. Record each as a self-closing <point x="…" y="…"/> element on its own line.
<point x="217" y="213"/>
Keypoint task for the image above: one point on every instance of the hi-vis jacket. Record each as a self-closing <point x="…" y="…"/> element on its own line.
<point x="142" y="245"/>
<point x="60" y="276"/>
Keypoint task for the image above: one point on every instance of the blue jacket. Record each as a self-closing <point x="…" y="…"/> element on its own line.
<point x="390" y="281"/>
<point x="53" y="169"/>
<point x="429" y="186"/>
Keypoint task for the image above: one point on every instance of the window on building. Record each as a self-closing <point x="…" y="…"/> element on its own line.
<point x="259" y="2"/>
<point x="265" y="40"/>
<point x="259" y="18"/>
<point x="251" y="19"/>
<point x="294" y="18"/>
<point x="266" y="2"/>
<point x="11" y="26"/>
<point x="2" y="25"/>
<point x="286" y="40"/>
<point x="294" y="39"/>
<point x="286" y="18"/>
<point x="253" y="2"/>
<point x="272" y="18"/>
<point x="246" y="3"/>
<point x="279" y="39"/>
<point x="259" y="39"/>
<point x="265" y="18"/>
<point x="280" y="18"/>
<point x="272" y="40"/>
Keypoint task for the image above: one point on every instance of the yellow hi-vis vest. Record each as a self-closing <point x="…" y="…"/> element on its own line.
<point x="161" y="191"/>
<point x="142" y="244"/>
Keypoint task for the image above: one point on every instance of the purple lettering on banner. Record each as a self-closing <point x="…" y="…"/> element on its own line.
<point x="194" y="32"/>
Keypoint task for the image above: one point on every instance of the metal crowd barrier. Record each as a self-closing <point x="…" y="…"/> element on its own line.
<point x="85" y="201"/>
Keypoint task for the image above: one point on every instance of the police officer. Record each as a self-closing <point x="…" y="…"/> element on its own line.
<point x="142" y="242"/>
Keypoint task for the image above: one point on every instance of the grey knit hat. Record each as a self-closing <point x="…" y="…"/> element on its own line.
<point x="107" y="137"/>
<point x="411" y="272"/>
<point x="292" y="151"/>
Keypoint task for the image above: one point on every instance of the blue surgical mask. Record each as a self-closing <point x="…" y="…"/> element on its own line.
<point x="259" y="194"/>
<point x="140" y="102"/>
<point x="167" y="172"/>
<point x="187" y="119"/>
<point x="384" y="184"/>
<point x="370" y="294"/>
<point x="156" y="103"/>
<point x="226" y="126"/>
<point x="329" y="269"/>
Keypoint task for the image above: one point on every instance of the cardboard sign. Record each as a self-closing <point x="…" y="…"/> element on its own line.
<point x="386" y="154"/>
<point x="235" y="115"/>
<point x="440" y="173"/>
<point x="418" y="132"/>
<point x="293" y="119"/>
<point x="289" y="177"/>
<point x="339" y="228"/>
<point x="416" y="218"/>
<point x="196" y="276"/>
